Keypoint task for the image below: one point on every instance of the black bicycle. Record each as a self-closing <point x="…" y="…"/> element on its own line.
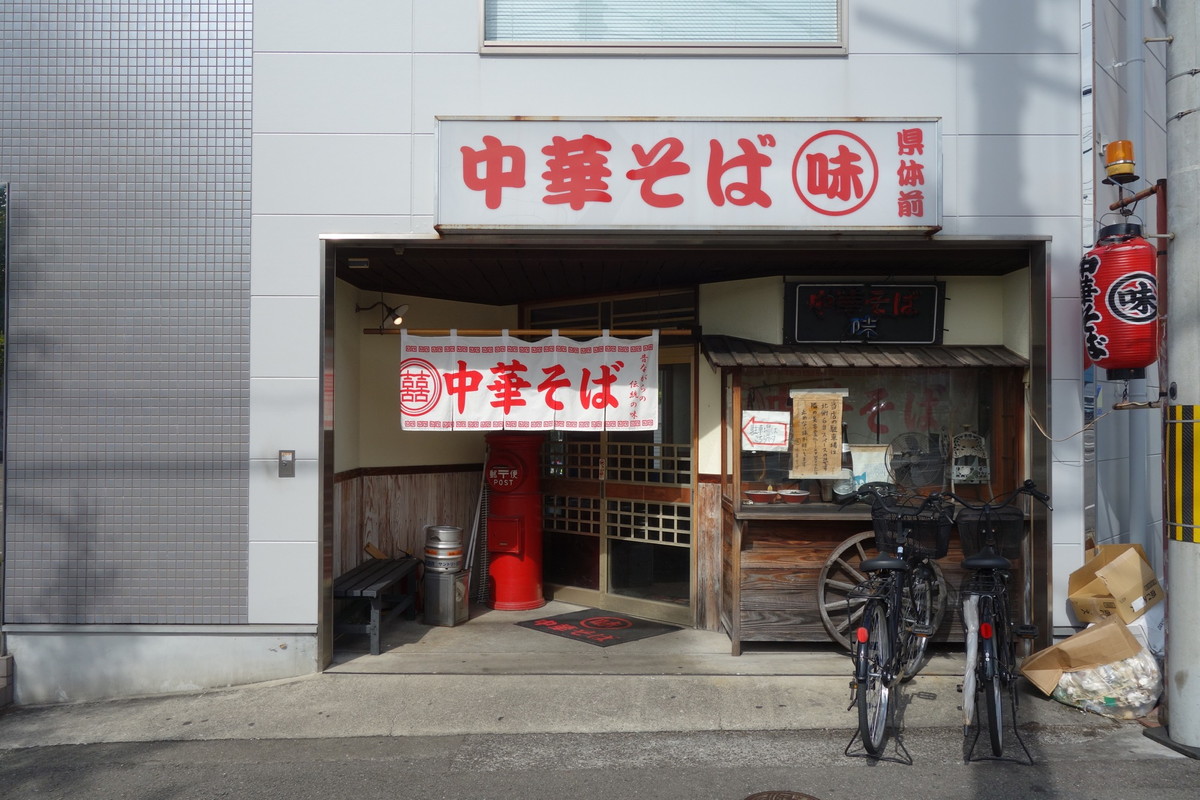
<point x="992" y="534"/>
<point x="900" y="604"/>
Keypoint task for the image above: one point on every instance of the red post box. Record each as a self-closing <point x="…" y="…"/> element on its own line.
<point x="514" y="521"/>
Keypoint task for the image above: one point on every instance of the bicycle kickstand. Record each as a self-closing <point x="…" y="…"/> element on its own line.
<point x="1016" y="729"/>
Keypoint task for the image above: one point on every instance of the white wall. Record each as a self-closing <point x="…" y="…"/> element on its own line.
<point x="347" y="361"/>
<point x="380" y="441"/>
<point x="979" y="310"/>
<point x="750" y="309"/>
<point x="1016" y="318"/>
<point x="61" y="663"/>
<point x="345" y="105"/>
<point x="708" y="443"/>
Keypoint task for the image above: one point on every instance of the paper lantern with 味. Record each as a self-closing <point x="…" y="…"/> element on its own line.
<point x="1119" y="290"/>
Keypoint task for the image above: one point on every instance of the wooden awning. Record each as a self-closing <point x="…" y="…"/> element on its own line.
<point x="726" y="352"/>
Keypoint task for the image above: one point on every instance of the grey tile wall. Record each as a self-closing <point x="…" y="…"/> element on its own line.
<point x="125" y="137"/>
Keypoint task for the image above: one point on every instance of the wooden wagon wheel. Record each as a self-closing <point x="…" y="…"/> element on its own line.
<point x="841" y="573"/>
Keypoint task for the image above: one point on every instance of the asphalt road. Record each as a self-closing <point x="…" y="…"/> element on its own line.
<point x="1072" y="764"/>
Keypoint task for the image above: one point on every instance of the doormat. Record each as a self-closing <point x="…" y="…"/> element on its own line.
<point x="601" y="628"/>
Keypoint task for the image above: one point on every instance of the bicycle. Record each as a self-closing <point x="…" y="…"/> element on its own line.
<point x="992" y="534"/>
<point x="900" y="606"/>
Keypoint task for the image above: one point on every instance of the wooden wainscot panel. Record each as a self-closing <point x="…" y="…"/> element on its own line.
<point x="707" y="545"/>
<point x="347" y="535"/>
<point x="787" y="552"/>
<point x="729" y="577"/>
<point x="390" y="510"/>
<point x="799" y="624"/>
<point x="780" y="605"/>
<point x="775" y="588"/>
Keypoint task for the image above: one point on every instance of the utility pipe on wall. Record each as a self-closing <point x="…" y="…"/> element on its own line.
<point x="1138" y="433"/>
<point x="1183" y="390"/>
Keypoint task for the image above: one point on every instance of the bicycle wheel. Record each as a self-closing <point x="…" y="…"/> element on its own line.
<point x="993" y="697"/>
<point x="874" y="694"/>
<point x="923" y="609"/>
<point x="992" y="685"/>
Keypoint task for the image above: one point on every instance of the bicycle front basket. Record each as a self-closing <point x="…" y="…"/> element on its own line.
<point x="926" y="533"/>
<point x="1003" y="526"/>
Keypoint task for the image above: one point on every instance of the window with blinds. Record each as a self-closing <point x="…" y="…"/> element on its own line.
<point x="663" y="309"/>
<point x="646" y="26"/>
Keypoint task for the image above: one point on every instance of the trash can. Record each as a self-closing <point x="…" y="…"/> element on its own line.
<point x="447" y="597"/>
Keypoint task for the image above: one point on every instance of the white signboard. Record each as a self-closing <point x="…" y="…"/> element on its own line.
<point x="556" y="383"/>
<point x="563" y="173"/>
<point x="766" y="430"/>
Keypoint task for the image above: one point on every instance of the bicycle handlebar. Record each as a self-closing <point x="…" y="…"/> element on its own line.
<point x="1028" y="487"/>
<point x="870" y="492"/>
<point x="878" y="493"/>
<point x="1031" y="489"/>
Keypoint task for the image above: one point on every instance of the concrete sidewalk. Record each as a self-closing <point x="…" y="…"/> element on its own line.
<point x="491" y="676"/>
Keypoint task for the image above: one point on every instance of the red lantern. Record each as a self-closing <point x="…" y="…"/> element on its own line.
<point x="1119" y="288"/>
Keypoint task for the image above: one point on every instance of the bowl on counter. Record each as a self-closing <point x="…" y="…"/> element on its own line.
<point x="793" y="495"/>
<point x="762" y="496"/>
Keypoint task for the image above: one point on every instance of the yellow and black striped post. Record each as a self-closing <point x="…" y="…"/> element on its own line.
<point x="1183" y="473"/>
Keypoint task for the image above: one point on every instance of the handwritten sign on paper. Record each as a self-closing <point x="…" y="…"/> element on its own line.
<point x="816" y="433"/>
<point x="765" y="430"/>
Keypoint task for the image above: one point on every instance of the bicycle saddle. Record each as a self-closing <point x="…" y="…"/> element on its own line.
<point x="883" y="562"/>
<point x="986" y="561"/>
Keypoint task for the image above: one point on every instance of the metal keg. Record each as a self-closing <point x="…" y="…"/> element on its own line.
<point x="443" y="548"/>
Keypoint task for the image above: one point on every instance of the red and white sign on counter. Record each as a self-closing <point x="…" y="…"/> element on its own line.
<point x="564" y="173"/>
<point x="500" y="382"/>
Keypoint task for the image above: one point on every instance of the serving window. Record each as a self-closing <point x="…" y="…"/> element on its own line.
<point x="925" y="429"/>
<point x="788" y="548"/>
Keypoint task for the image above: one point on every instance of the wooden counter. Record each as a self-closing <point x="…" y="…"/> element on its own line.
<point x="801" y="512"/>
<point x="772" y="557"/>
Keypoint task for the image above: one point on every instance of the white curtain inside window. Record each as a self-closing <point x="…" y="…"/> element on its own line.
<point x="669" y="21"/>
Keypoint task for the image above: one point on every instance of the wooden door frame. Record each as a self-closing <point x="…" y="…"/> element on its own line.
<point x="602" y="489"/>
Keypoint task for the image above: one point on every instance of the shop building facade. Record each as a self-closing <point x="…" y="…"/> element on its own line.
<point x="202" y="198"/>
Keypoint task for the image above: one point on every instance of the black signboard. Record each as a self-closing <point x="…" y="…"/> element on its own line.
<point x="880" y="313"/>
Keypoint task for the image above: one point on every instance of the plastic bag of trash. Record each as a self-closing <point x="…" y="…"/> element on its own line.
<point x="1124" y="689"/>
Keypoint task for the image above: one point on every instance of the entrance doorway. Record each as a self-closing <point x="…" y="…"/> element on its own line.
<point x="618" y="526"/>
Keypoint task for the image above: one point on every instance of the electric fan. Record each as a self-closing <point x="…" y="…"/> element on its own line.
<point x="915" y="460"/>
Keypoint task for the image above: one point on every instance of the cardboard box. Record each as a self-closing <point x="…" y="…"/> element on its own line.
<point x="1116" y="581"/>
<point x="1104" y="643"/>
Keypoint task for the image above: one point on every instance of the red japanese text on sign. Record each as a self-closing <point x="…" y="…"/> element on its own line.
<point x="492" y="169"/>
<point x="692" y="173"/>
<point x="910" y="203"/>
<point x="488" y="383"/>
<point x="659" y="163"/>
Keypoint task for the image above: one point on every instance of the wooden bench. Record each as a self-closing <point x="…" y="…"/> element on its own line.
<point x="378" y="581"/>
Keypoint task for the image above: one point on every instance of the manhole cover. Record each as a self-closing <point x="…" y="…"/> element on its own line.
<point x="781" y="796"/>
